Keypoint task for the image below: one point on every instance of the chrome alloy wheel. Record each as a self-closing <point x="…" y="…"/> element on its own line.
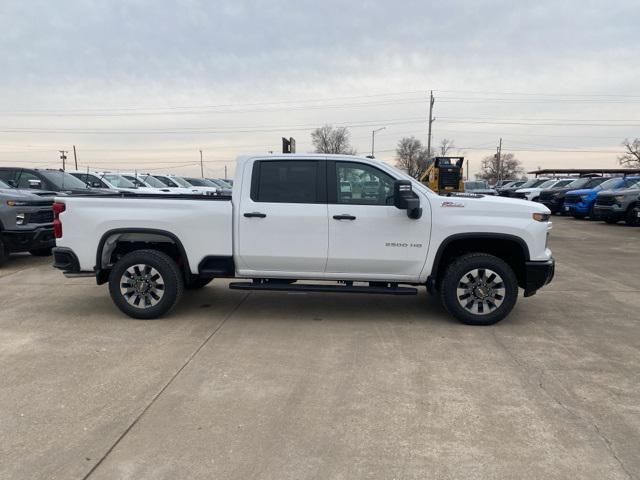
<point x="142" y="286"/>
<point x="481" y="291"/>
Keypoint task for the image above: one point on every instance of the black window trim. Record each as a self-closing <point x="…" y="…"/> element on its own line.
<point x="321" y="197"/>
<point x="332" y="187"/>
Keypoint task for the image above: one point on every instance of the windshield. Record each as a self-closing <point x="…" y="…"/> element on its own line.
<point x="181" y="182"/>
<point x="3" y="185"/>
<point x="475" y="185"/>
<point x="547" y="184"/>
<point x="630" y="182"/>
<point x="562" y="183"/>
<point x="200" y="182"/>
<point x="118" y="181"/>
<point x="62" y="180"/>
<point x="579" y="183"/>
<point x="529" y="183"/>
<point x="152" y="181"/>
<point x="609" y="184"/>
<point x="594" y="182"/>
<point x="134" y="180"/>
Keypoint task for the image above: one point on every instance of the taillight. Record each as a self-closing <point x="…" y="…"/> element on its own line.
<point x="58" y="208"/>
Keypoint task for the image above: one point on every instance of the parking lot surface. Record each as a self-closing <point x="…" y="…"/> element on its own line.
<point x="280" y="386"/>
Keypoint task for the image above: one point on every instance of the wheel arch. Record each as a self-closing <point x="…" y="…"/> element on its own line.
<point x="510" y="248"/>
<point x="112" y="242"/>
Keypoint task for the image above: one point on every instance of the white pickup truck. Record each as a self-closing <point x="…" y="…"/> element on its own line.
<point x="289" y="226"/>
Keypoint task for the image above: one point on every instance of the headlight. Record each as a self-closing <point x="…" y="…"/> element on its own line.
<point x="541" y="217"/>
<point x="584" y="197"/>
<point x="555" y="195"/>
<point x="13" y="203"/>
<point x="619" y="198"/>
<point x="21" y="219"/>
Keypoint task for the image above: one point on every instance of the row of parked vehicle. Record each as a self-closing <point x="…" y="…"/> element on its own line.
<point x="26" y="199"/>
<point x="611" y="199"/>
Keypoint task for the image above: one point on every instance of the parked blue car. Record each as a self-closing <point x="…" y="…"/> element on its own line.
<point x="580" y="203"/>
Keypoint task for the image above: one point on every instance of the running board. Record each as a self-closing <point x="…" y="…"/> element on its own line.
<point x="302" y="287"/>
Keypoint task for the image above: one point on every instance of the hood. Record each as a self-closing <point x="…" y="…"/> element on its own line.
<point x="621" y="191"/>
<point x="528" y="190"/>
<point x="491" y="205"/>
<point x="584" y="191"/>
<point x="84" y="191"/>
<point x="27" y="195"/>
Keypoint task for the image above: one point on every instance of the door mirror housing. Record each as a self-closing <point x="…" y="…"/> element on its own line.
<point x="35" y="184"/>
<point x="96" y="185"/>
<point x="404" y="198"/>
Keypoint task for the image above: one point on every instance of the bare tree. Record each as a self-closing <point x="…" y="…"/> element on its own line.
<point x="330" y="139"/>
<point x="446" y="146"/>
<point x="510" y="168"/>
<point x="631" y="156"/>
<point x="412" y="156"/>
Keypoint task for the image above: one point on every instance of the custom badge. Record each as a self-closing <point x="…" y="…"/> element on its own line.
<point x="452" y="204"/>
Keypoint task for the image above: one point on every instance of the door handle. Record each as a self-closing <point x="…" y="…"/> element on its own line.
<point x="344" y="217"/>
<point x="255" y="214"/>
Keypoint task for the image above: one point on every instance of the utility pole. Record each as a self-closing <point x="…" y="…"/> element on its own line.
<point x="201" y="165"/>
<point x="63" y="157"/>
<point x="467" y="169"/>
<point x="373" y="139"/>
<point x="75" y="157"/>
<point x="431" y="119"/>
<point x="498" y="157"/>
<point x="225" y="172"/>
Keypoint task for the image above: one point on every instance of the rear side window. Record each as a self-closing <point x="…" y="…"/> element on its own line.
<point x="288" y="181"/>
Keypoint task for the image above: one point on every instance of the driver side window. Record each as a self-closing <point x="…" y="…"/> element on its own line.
<point x="361" y="184"/>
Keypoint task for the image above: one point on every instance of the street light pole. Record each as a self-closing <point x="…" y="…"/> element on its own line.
<point x="373" y="139"/>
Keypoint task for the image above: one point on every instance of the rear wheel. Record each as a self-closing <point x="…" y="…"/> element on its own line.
<point x="610" y="220"/>
<point x="145" y="284"/>
<point x="479" y="289"/>
<point x="633" y="216"/>
<point x="41" y="252"/>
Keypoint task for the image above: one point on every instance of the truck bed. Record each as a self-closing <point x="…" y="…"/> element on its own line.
<point x="201" y="223"/>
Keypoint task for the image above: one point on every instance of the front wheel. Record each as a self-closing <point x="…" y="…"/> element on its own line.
<point x="145" y="284"/>
<point x="633" y="216"/>
<point x="479" y="289"/>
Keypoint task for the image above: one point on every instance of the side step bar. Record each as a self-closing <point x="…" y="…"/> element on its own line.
<point x="302" y="287"/>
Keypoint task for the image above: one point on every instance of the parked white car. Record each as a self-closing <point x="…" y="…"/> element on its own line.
<point x="177" y="182"/>
<point x="533" y="193"/>
<point x="289" y="226"/>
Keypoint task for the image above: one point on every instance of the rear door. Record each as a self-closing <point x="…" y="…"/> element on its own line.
<point x="368" y="236"/>
<point x="282" y="221"/>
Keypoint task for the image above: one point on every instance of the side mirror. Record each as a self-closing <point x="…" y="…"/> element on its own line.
<point x="35" y="184"/>
<point x="96" y="185"/>
<point x="405" y="199"/>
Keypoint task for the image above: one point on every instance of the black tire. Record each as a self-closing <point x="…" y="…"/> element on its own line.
<point x="164" y="290"/>
<point x="502" y="289"/>
<point x="579" y="216"/>
<point x="41" y="252"/>
<point x="592" y="214"/>
<point x="610" y="220"/>
<point x="196" y="283"/>
<point x="4" y="253"/>
<point x="632" y="218"/>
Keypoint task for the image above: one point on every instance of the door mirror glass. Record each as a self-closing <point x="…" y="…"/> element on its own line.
<point x="404" y="198"/>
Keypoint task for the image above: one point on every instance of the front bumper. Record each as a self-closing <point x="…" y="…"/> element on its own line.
<point x="609" y="211"/>
<point x="554" y="205"/>
<point x="581" y="208"/>
<point x="537" y="275"/>
<point x="25" y="240"/>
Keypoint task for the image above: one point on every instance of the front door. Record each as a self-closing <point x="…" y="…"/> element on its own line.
<point x="282" y="225"/>
<point x="368" y="235"/>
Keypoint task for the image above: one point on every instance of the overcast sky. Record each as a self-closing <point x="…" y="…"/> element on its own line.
<point x="147" y="83"/>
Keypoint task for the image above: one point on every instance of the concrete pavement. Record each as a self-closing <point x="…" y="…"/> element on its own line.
<point x="281" y="386"/>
